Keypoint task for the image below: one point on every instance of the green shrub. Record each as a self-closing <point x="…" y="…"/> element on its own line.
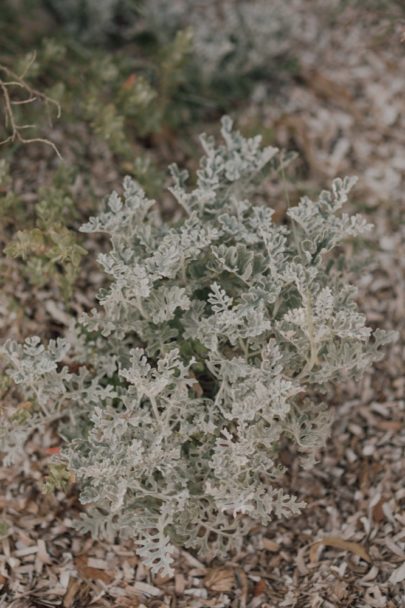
<point x="49" y="249"/>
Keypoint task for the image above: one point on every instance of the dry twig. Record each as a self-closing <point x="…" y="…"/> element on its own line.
<point x="9" y="82"/>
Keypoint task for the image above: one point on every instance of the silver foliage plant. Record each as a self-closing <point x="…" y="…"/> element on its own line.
<point x="215" y="331"/>
<point x="230" y="37"/>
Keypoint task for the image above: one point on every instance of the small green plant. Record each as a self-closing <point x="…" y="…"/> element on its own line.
<point x="127" y="96"/>
<point x="50" y="250"/>
<point x="212" y="344"/>
<point x="8" y="200"/>
<point x="58" y="478"/>
<point x="4" y="529"/>
<point x="180" y="63"/>
<point x="235" y="44"/>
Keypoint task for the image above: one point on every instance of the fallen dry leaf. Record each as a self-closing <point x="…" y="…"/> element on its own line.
<point x="72" y="589"/>
<point x="219" y="579"/>
<point x="340" y="543"/>
<point x="243" y="584"/>
<point x="127" y="602"/>
<point x="146" y="589"/>
<point x="92" y="573"/>
<point x="389" y="425"/>
<point x="339" y="589"/>
<point x="398" y="575"/>
<point x="260" y="588"/>
<point x="377" y="511"/>
<point x="270" y="545"/>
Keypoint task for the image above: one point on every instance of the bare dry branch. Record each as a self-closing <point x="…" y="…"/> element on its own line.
<point x="14" y="130"/>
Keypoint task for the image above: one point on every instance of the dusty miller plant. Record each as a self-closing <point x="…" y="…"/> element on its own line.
<point x="175" y="396"/>
<point x="230" y="38"/>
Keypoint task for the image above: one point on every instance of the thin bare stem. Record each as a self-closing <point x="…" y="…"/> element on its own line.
<point x="11" y="126"/>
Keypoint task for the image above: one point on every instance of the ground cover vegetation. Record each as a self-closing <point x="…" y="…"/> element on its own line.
<point x="140" y="86"/>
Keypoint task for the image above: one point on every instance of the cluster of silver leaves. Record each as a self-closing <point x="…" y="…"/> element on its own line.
<point x="231" y="37"/>
<point x="212" y="336"/>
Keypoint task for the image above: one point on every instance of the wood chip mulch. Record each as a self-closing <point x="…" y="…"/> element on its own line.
<point x="347" y="549"/>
